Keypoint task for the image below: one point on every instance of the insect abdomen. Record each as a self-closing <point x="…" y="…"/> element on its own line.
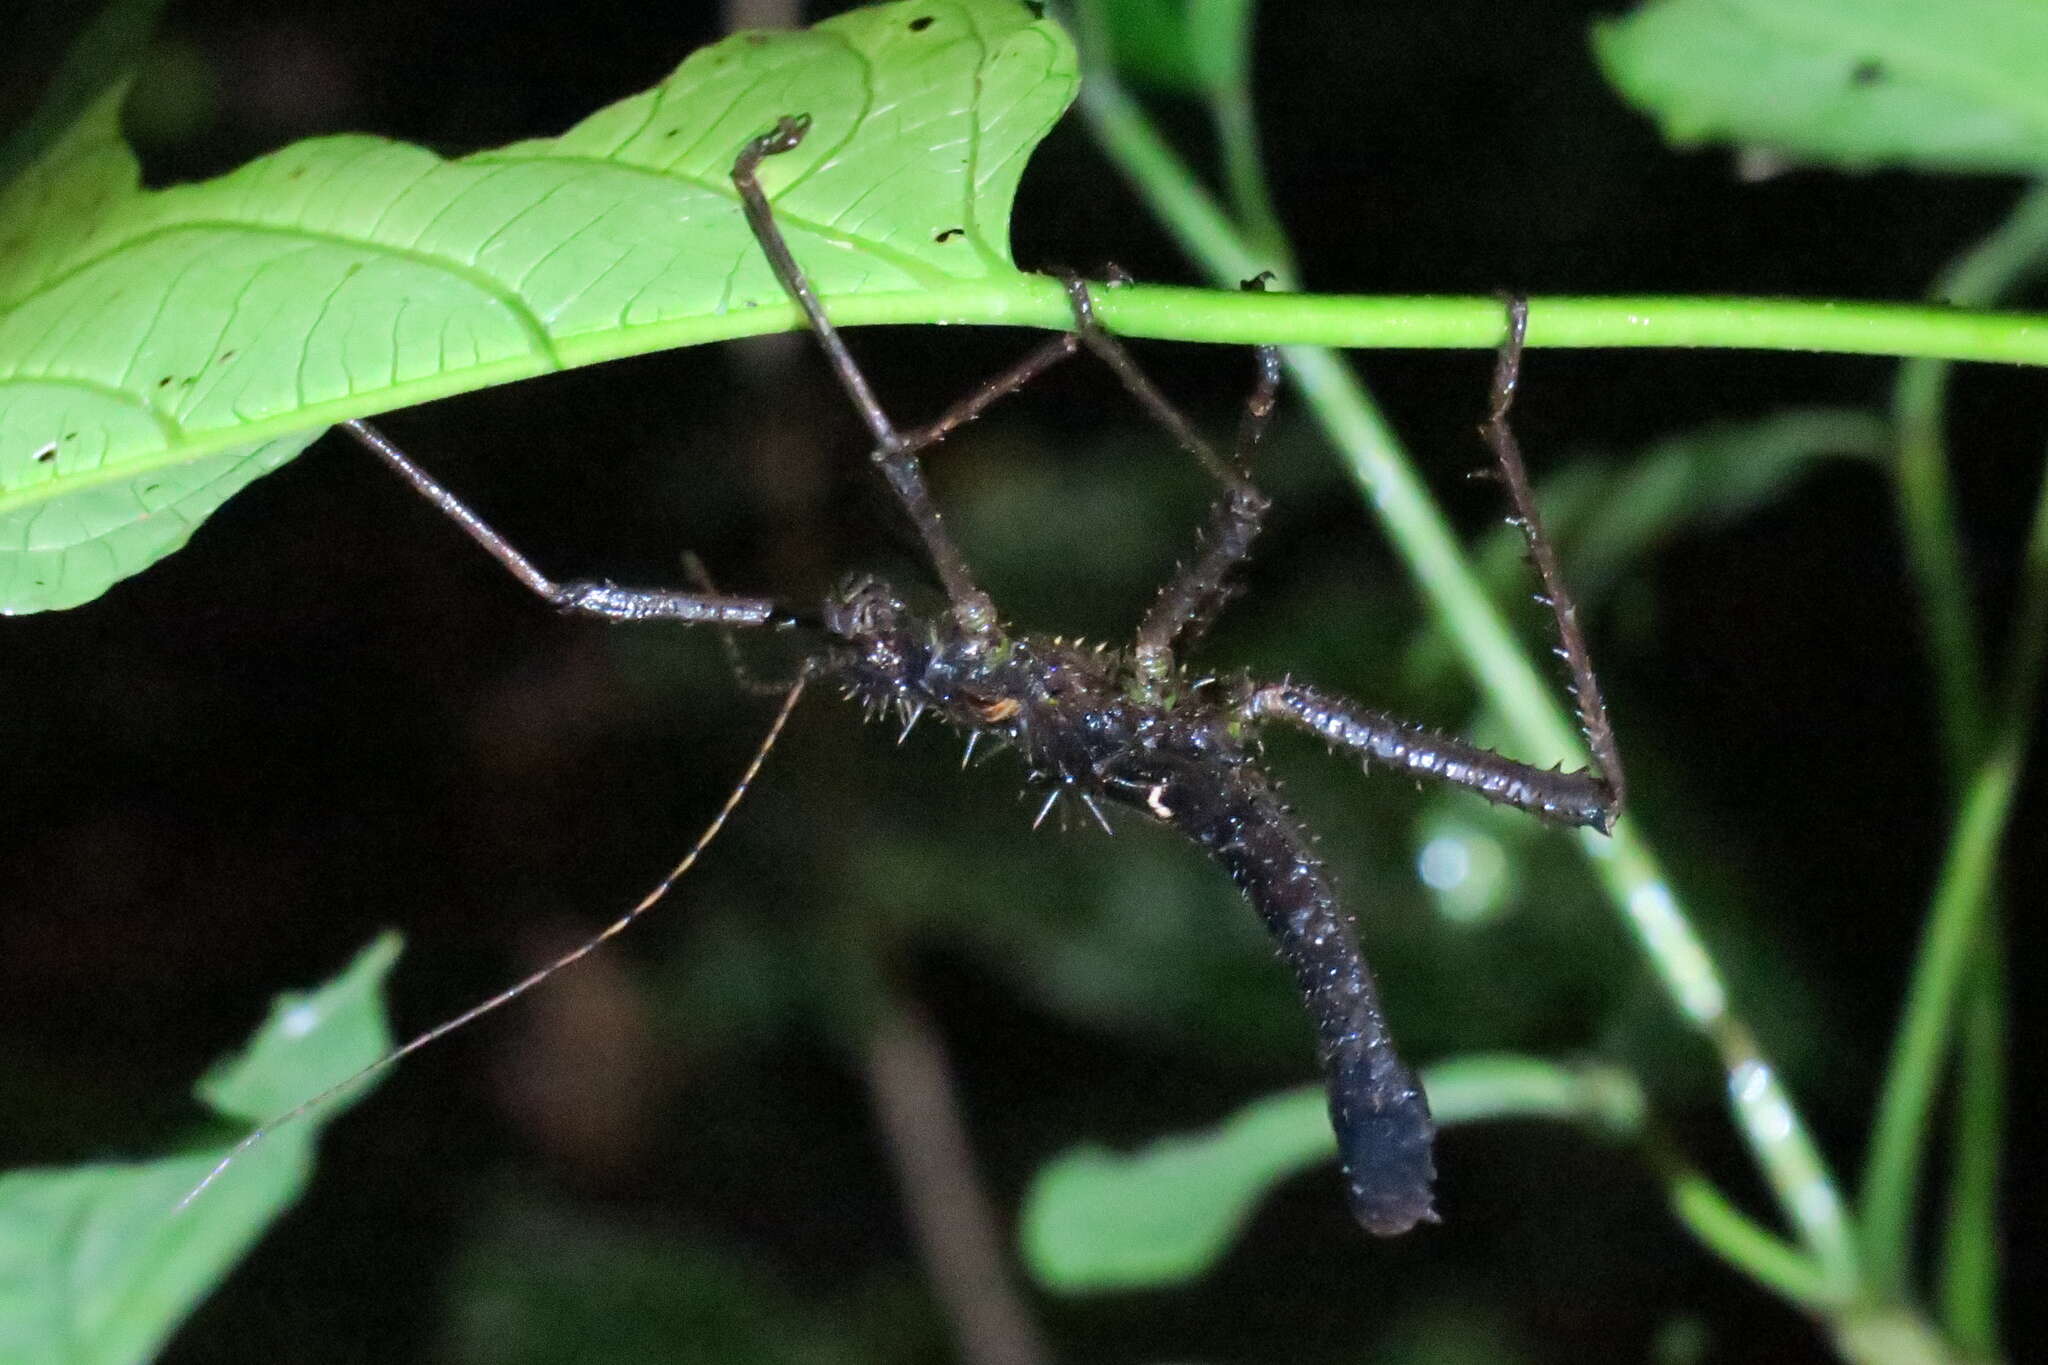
<point x="1377" y="1109"/>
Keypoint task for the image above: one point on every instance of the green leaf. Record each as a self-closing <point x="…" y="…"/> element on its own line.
<point x="1958" y="86"/>
<point x="160" y="348"/>
<point x="1097" y="1221"/>
<point x="98" y="1264"/>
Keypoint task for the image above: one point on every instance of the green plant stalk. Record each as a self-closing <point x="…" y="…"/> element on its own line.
<point x="1609" y="1102"/>
<point x="1961" y="898"/>
<point x="1983" y="275"/>
<point x="1202" y="315"/>
<point x="1969" y="1267"/>
<point x="1960" y="912"/>
<point x="1770" y="1123"/>
<point x="1736" y="1238"/>
<point x="1220" y="32"/>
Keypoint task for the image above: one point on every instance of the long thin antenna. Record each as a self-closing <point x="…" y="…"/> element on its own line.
<point x="527" y="983"/>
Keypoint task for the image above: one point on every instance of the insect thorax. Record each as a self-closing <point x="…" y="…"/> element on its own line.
<point x="1075" y="713"/>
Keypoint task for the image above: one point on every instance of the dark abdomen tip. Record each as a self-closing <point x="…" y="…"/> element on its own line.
<point x="1384" y="1136"/>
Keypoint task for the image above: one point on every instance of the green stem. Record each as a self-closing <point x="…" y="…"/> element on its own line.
<point x="1960" y="911"/>
<point x="1967" y="1299"/>
<point x="1485" y="1087"/>
<point x="1220" y="32"/>
<point x="1892" y="1179"/>
<point x="1769" y="1121"/>
<point x="1986" y="273"/>
<point x="1229" y="316"/>
<point x="1969" y="1266"/>
<point x="1737" y="1239"/>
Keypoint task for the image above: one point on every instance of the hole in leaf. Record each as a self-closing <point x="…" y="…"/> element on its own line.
<point x="46" y="454"/>
<point x="949" y="234"/>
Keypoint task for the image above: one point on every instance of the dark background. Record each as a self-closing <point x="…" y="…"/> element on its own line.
<point x="330" y="715"/>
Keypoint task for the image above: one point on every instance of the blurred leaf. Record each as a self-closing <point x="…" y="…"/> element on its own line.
<point x="98" y="1265"/>
<point x="1149" y="43"/>
<point x="1096" y="1221"/>
<point x="1710" y="477"/>
<point x="160" y="348"/>
<point x="105" y="52"/>
<point x="1957" y="86"/>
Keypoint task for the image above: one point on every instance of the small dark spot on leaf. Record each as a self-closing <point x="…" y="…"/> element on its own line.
<point x="949" y="234"/>
<point x="672" y="132"/>
<point x="46" y="454"/>
<point x="151" y="487"/>
<point x="1037" y="8"/>
<point x="226" y="356"/>
<point x="188" y="381"/>
<point x="1869" y="72"/>
<point x="921" y="23"/>
<point x="164" y="382"/>
<point x="70" y="435"/>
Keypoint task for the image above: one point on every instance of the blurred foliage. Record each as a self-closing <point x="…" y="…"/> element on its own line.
<point x="100" y="1263"/>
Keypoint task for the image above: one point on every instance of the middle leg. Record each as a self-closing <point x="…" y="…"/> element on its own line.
<point x="1197" y="591"/>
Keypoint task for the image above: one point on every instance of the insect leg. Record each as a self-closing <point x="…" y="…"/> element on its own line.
<point x="749" y="682"/>
<point x="1196" y="592"/>
<point x="582" y="596"/>
<point x="1579" y="798"/>
<point x="1571" y="646"/>
<point x="892" y="454"/>
<point x="1001" y="386"/>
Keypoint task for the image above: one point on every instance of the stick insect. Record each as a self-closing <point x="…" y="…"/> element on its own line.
<point x="1130" y="728"/>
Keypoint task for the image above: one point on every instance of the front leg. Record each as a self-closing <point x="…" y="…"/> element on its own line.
<point x="584" y="597"/>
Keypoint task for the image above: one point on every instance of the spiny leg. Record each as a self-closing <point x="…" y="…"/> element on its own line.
<point x="582" y="596"/>
<point x="1562" y="798"/>
<point x="1001" y="386"/>
<point x="1192" y="598"/>
<point x="1571" y="646"/>
<point x="895" y="456"/>
<point x="1187" y="603"/>
<point x="1592" y="798"/>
